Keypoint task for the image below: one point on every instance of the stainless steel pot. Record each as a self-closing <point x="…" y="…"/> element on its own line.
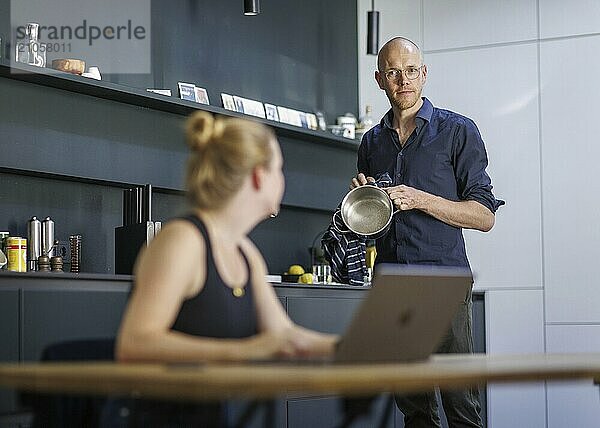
<point x="367" y="211"/>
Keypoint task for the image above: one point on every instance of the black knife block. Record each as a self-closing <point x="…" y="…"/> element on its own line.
<point x="129" y="240"/>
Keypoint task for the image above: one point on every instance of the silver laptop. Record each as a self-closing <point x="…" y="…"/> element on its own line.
<point x="405" y="315"/>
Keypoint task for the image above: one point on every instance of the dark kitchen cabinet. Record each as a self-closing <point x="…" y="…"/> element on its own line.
<point x="331" y="316"/>
<point x="322" y="313"/>
<point x="9" y="338"/>
<point x="58" y="315"/>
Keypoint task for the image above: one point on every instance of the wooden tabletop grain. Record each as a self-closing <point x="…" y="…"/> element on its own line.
<point x="268" y="380"/>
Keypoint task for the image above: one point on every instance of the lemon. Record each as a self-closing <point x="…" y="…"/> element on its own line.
<point x="306" y="278"/>
<point x="296" y="270"/>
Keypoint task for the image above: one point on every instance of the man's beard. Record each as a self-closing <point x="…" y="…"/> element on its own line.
<point x="404" y="104"/>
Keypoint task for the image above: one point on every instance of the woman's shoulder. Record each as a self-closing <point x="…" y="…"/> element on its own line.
<point x="177" y="236"/>
<point x="181" y="227"/>
<point x="175" y="253"/>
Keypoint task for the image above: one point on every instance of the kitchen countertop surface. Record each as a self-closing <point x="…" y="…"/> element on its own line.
<point x="120" y="281"/>
<point x="91" y="277"/>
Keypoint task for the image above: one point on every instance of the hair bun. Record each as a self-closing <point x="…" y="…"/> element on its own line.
<point x="202" y="129"/>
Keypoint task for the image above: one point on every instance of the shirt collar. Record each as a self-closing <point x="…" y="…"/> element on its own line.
<point x="424" y="113"/>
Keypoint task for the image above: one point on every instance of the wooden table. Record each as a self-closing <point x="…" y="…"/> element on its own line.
<point x="225" y="381"/>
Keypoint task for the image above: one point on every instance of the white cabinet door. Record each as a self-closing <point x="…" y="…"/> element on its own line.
<point x="515" y="325"/>
<point x="573" y="404"/>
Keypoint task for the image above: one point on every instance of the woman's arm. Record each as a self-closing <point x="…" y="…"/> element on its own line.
<point x="273" y="318"/>
<point x="170" y="270"/>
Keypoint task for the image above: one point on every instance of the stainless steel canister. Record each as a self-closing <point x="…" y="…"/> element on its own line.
<point x="34" y="242"/>
<point x="48" y="237"/>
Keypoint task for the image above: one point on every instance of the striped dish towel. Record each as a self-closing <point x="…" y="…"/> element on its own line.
<point x="345" y="253"/>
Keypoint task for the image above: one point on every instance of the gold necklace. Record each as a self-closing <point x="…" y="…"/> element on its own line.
<point x="236" y="291"/>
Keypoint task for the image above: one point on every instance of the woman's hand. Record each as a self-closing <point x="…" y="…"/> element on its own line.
<point x="293" y="341"/>
<point x="269" y="345"/>
<point x="314" y="343"/>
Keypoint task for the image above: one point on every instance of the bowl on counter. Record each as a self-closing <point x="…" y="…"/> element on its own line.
<point x="286" y="277"/>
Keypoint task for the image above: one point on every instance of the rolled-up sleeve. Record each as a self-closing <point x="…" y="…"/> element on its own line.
<point x="471" y="161"/>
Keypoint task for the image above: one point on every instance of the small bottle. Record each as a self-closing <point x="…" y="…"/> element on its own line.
<point x="3" y="236"/>
<point x="3" y="259"/>
<point x="29" y="50"/>
<point x="321" y="121"/>
<point x="370" y="256"/>
<point x="366" y="121"/>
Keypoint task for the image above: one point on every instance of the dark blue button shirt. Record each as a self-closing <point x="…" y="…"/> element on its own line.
<point x="444" y="156"/>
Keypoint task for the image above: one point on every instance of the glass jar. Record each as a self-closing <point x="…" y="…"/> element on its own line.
<point x="29" y="50"/>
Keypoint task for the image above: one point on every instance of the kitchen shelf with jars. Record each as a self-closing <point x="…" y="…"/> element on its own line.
<point x="138" y="97"/>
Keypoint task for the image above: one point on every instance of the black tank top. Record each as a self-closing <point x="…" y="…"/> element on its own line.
<point x="215" y="311"/>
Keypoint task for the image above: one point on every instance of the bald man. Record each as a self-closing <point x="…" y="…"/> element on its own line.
<point x="437" y="163"/>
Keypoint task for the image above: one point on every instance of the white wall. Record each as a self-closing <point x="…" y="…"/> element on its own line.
<point x="526" y="72"/>
<point x="394" y="16"/>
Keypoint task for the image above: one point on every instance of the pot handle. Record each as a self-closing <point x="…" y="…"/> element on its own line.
<point x="334" y="223"/>
<point x="394" y="209"/>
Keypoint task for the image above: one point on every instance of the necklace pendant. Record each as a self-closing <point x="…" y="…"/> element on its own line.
<point x="238" y="292"/>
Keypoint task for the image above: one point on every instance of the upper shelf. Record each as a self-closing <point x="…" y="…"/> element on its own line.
<point x="142" y="98"/>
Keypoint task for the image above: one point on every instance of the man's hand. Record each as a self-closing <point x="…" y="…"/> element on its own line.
<point x="408" y="198"/>
<point x="361" y="180"/>
<point x="465" y="214"/>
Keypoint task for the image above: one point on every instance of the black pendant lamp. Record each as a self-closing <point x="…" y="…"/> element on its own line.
<point x="251" y="7"/>
<point x="372" y="30"/>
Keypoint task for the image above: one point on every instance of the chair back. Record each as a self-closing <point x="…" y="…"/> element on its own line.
<point x="53" y="410"/>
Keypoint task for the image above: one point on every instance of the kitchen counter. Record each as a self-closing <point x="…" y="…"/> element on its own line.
<point x="103" y="281"/>
<point x="86" y="280"/>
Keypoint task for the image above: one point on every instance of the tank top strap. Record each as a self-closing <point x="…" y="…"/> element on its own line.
<point x="195" y="220"/>
<point x="248" y="268"/>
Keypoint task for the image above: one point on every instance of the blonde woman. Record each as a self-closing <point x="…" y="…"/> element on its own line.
<point x="200" y="291"/>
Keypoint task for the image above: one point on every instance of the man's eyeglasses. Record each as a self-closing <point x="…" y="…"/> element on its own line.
<point x="411" y="73"/>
